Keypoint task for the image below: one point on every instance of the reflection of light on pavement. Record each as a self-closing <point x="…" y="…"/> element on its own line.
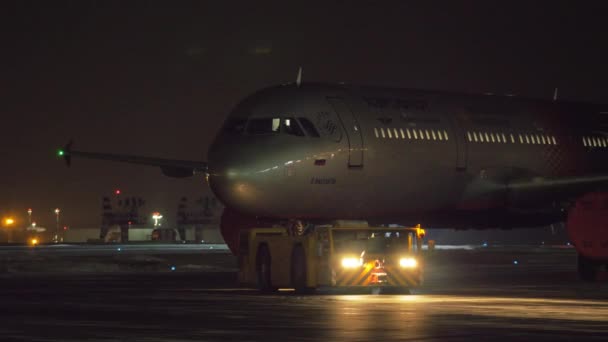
<point x="411" y="298"/>
<point x="504" y="307"/>
<point x="376" y="318"/>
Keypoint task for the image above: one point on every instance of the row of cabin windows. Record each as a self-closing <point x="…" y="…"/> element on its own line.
<point x="595" y="142"/>
<point x="534" y="139"/>
<point x="416" y="134"/>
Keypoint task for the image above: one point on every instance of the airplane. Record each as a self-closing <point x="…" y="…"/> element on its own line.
<point x="315" y="153"/>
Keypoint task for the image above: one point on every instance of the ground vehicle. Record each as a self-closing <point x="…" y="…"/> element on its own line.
<point x="272" y="258"/>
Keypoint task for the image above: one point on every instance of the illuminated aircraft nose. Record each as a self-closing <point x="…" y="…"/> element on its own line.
<point x="246" y="173"/>
<point x="231" y="172"/>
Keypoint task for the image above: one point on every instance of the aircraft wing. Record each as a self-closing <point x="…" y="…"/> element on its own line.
<point x="555" y="188"/>
<point x="169" y="167"/>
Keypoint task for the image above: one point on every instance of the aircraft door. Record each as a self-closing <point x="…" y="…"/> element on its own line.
<point x="352" y="129"/>
<point x="461" y="143"/>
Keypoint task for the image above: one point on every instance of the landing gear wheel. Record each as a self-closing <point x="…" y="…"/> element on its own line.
<point x="587" y="269"/>
<point x="298" y="271"/>
<point x="263" y="270"/>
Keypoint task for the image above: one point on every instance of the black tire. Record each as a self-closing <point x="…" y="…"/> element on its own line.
<point x="587" y="269"/>
<point x="263" y="269"/>
<point x="298" y="271"/>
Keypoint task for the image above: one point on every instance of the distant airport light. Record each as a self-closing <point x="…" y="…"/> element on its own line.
<point x="156" y="216"/>
<point x="9" y="221"/>
<point x="60" y="153"/>
<point x="515" y="262"/>
<point x="117" y="191"/>
<point x="172" y="268"/>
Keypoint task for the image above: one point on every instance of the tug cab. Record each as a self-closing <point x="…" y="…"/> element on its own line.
<point x="335" y="257"/>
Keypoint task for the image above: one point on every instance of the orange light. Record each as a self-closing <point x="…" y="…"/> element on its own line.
<point x="9" y="221"/>
<point x="34" y="242"/>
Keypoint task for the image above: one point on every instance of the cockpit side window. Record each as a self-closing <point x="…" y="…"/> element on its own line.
<point x="235" y="126"/>
<point x="264" y="126"/>
<point x="309" y="127"/>
<point x="291" y="127"/>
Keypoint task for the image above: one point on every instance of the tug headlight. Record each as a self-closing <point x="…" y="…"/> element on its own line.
<point x="408" y="263"/>
<point x="352" y="262"/>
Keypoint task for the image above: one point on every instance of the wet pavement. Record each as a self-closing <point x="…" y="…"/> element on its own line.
<point x="525" y="294"/>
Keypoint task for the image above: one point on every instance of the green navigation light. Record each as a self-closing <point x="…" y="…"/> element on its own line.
<point x="60" y="153"/>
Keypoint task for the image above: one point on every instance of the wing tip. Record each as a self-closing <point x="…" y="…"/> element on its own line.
<point x="65" y="152"/>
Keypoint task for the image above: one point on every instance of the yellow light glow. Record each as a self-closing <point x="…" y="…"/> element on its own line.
<point x="408" y="262"/>
<point x="9" y="221"/>
<point x="352" y="262"/>
<point x="34" y="242"/>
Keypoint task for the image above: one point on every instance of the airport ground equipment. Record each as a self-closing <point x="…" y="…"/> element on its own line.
<point x="330" y="257"/>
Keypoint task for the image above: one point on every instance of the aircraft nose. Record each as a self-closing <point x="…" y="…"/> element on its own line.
<point x="242" y="174"/>
<point x="227" y="172"/>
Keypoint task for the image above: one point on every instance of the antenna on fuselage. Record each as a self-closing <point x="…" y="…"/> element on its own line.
<point x="555" y="94"/>
<point x="299" y="77"/>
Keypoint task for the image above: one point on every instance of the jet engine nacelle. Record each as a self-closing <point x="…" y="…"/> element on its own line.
<point x="588" y="230"/>
<point x="588" y="226"/>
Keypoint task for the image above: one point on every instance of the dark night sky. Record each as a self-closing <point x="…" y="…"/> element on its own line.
<point x="158" y="78"/>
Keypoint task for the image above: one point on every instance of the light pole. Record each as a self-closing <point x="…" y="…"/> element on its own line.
<point x="156" y="216"/>
<point x="8" y="222"/>
<point x="29" y="216"/>
<point x="56" y="239"/>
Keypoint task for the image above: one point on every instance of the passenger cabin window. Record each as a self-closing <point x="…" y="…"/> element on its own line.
<point x="264" y="126"/>
<point x="309" y="127"/>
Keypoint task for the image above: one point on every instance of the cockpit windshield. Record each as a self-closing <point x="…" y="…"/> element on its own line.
<point x="291" y="127"/>
<point x="299" y="127"/>
<point x="236" y="126"/>
<point x="264" y="126"/>
<point x="309" y="127"/>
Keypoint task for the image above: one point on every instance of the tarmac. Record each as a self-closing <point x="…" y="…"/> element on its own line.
<point x="524" y="293"/>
